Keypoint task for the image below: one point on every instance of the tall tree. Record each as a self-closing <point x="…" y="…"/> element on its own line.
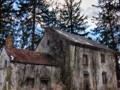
<point x="71" y="18"/>
<point x="36" y="13"/>
<point x="23" y="24"/>
<point x="33" y="27"/>
<point x="6" y="20"/>
<point x="108" y="26"/>
<point x="116" y="4"/>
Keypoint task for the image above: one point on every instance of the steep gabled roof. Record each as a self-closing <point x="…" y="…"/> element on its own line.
<point x="29" y="57"/>
<point x="81" y="40"/>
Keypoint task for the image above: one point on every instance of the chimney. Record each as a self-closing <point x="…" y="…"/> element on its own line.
<point x="9" y="41"/>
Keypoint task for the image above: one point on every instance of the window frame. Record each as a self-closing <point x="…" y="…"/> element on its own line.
<point x="102" y="58"/>
<point x="48" y="42"/>
<point x="45" y="79"/>
<point x="30" y="82"/>
<point x="5" y="63"/>
<point x="85" y="59"/>
<point x="104" y="77"/>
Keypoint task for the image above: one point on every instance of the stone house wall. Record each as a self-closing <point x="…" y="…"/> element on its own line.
<point x="94" y="69"/>
<point x="78" y="68"/>
<point x="36" y="77"/>
<point x="58" y="47"/>
<point x="74" y="74"/>
<point x="23" y="76"/>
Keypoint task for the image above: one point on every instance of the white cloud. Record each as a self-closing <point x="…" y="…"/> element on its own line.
<point x="87" y="9"/>
<point x="87" y="3"/>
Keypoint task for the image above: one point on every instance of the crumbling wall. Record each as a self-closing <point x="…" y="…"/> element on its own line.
<point x="74" y="74"/>
<point x="109" y="68"/>
<point x="22" y="76"/>
<point x="31" y="77"/>
<point x="58" y="47"/>
<point x="94" y="69"/>
<point x="4" y="64"/>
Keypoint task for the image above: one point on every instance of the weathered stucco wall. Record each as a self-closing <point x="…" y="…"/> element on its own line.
<point x="36" y="77"/>
<point x="58" y="47"/>
<point x="78" y="68"/>
<point x="31" y="77"/>
<point x="54" y="44"/>
<point x="22" y="76"/>
<point x="4" y="60"/>
<point x="74" y="74"/>
<point x="94" y="69"/>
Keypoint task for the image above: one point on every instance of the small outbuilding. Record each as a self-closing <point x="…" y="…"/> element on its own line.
<point x="27" y="70"/>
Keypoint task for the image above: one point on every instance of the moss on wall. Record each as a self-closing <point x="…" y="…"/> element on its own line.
<point x="8" y="78"/>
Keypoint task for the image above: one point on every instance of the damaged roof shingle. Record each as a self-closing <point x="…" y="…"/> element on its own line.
<point x="31" y="57"/>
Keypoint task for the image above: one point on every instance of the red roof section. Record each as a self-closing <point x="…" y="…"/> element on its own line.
<point x="31" y="57"/>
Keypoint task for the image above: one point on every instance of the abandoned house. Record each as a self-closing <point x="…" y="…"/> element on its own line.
<point x="85" y="64"/>
<point x="62" y="61"/>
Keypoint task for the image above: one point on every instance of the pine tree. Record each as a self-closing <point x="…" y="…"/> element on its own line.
<point x="24" y="26"/>
<point x="108" y="26"/>
<point x="36" y="13"/>
<point x="6" y="20"/>
<point x="71" y="19"/>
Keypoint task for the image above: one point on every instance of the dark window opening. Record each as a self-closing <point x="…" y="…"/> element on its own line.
<point x="44" y="80"/>
<point x="5" y="64"/>
<point x="30" y="82"/>
<point x="85" y="60"/>
<point x="48" y="42"/>
<point x="104" y="77"/>
<point x="103" y="58"/>
<point x="86" y="74"/>
<point x="86" y="81"/>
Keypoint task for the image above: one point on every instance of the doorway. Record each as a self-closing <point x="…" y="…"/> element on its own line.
<point x="86" y="81"/>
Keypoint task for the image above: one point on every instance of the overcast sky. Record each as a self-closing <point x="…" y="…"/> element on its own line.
<point x="90" y="11"/>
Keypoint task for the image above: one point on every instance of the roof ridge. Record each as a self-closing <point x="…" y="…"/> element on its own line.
<point x="81" y="40"/>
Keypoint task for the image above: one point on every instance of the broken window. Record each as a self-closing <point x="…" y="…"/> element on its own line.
<point x="103" y="58"/>
<point x="30" y="82"/>
<point x="104" y="77"/>
<point x="85" y="60"/>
